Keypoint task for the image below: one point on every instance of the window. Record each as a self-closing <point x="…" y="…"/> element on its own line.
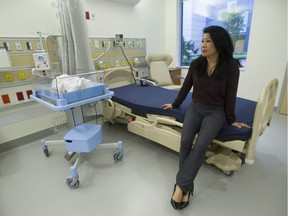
<point x="234" y="15"/>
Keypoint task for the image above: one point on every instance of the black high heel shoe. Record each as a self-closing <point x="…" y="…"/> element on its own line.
<point x="185" y="204"/>
<point x="175" y="205"/>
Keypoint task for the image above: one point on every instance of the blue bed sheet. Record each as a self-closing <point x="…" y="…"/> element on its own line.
<point x="149" y="100"/>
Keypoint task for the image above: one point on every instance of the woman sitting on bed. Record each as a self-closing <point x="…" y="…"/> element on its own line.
<point x="214" y="77"/>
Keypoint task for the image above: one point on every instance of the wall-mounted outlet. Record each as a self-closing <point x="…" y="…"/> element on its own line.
<point x="101" y="65"/>
<point x="123" y="63"/>
<point x="8" y="77"/>
<point x="106" y="65"/>
<point x="96" y="43"/>
<point x="7" y="46"/>
<point x="22" y="75"/>
<point x="39" y="46"/>
<point x="18" y="46"/>
<point x="29" y="45"/>
<point x="103" y="44"/>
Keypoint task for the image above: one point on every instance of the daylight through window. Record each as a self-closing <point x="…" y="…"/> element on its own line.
<point x="234" y="15"/>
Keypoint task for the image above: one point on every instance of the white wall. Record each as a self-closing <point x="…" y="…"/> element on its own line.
<point x="26" y="17"/>
<point x="144" y="20"/>
<point x="172" y="42"/>
<point x="267" y="52"/>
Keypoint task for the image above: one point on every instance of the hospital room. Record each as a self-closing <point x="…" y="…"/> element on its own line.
<point x="143" y="107"/>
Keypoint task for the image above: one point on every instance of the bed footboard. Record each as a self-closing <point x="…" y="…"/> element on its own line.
<point x="262" y="117"/>
<point x="232" y="149"/>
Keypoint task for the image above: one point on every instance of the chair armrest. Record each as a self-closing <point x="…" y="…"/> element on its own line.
<point x="142" y="81"/>
<point x="177" y="76"/>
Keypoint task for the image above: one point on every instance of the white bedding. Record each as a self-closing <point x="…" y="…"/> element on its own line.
<point x="65" y="83"/>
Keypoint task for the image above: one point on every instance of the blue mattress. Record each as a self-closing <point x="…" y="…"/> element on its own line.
<point x="149" y="100"/>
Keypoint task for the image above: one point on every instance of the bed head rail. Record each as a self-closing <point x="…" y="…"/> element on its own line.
<point x="262" y="116"/>
<point x="117" y="77"/>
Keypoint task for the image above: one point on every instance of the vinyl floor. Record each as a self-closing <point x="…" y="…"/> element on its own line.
<point x="142" y="183"/>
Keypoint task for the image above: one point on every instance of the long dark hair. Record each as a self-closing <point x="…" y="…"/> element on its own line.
<point x="223" y="43"/>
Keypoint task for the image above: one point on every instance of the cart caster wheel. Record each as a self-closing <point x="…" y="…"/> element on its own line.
<point x="46" y="152"/>
<point x="118" y="156"/>
<point x="228" y="173"/>
<point x="69" y="182"/>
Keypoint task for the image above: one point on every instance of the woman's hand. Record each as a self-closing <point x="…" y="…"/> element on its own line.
<point x="167" y="106"/>
<point x="240" y="125"/>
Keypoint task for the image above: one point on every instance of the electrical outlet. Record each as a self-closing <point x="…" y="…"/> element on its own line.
<point x="106" y="65"/>
<point x="8" y="77"/>
<point x="103" y="44"/>
<point x="7" y="46"/>
<point x="22" y="75"/>
<point x="18" y="46"/>
<point x="29" y="45"/>
<point x="39" y="46"/>
<point x="101" y="65"/>
<point x="96" y="44"/>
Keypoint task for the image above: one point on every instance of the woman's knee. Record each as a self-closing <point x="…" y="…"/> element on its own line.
<point x="186" y="142"/>
<point x="202" y="146"/>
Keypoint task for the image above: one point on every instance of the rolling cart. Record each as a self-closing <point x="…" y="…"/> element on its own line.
<point x="83" y="138"/>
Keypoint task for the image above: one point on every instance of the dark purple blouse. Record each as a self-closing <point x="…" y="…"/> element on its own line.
<point x="210" y="91"/>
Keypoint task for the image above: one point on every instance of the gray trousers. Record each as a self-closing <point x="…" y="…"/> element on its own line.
<point x="205" y="121"/>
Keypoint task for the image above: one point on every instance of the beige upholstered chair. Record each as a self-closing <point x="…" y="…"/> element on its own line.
<point x="159" y="71"/>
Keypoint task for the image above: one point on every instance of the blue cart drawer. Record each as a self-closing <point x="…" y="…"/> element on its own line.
<point x="83" y="138"/>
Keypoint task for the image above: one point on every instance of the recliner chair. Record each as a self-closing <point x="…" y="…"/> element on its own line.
<point x="159" y="71"/>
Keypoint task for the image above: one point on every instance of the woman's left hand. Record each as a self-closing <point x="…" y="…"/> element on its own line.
<point x="240" y="125"/>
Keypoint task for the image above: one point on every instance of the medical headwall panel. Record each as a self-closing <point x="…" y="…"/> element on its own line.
<point x="15" y="79"/>
<point x="16" y="68"/>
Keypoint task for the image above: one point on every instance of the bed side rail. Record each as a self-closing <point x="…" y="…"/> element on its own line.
<point x="162" y="120"/>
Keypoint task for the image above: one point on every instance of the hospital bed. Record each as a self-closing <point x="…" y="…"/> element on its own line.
<point x="140" y="107"/>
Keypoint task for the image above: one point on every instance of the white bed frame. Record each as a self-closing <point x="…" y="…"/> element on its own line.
<point x="227" y="156"/>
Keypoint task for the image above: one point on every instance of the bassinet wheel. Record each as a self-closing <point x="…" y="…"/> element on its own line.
<point x="70" y="184"/>
<point x="118" y="156"/>
<point x="46" y="152"/>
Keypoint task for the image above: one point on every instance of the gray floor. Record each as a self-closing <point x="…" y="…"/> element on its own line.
<point x="141" y="184"/>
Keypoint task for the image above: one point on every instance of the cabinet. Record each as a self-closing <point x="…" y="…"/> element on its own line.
<point x="175" y="74"/>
